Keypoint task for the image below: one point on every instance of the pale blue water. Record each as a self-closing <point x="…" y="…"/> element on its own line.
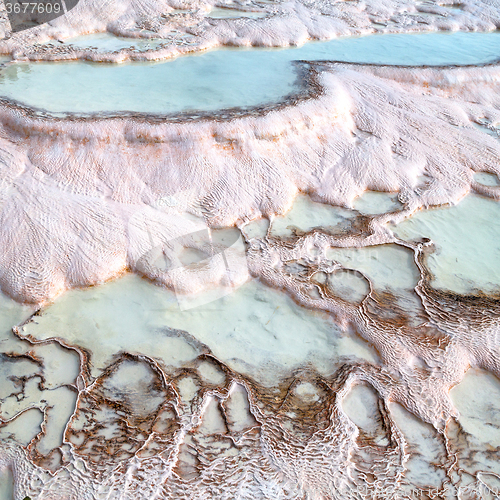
<point x="223" y="78"/>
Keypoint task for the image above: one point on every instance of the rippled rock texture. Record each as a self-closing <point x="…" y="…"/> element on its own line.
<point x="87" y="198"/>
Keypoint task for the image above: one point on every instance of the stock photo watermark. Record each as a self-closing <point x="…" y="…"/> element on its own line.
<point x="471" y="491"/>
<point x="24" y="14"/>
<point x="199" y="263"/>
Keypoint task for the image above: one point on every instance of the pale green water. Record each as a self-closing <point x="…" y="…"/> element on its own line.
<point x="374" y="203"/>
<point x="487" y="179"/>
<point x="427" y="446"/>
<point x="60" y="367"/>
<point x="387" y="266"/>
<point x="390" y="268"/>
<point x="306" y="214"/>
<point x="222" y="78"/>
<point x="6" y="484"/>
<point x="467" y="240"/>
<point x="477" y="399"/>
<point x="255" y="330"/>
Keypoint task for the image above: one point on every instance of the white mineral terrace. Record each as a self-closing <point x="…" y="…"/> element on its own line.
<point x="226" y="274"/>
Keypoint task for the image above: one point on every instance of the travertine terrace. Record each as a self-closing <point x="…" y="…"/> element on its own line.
<point x="395" y="398"/>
